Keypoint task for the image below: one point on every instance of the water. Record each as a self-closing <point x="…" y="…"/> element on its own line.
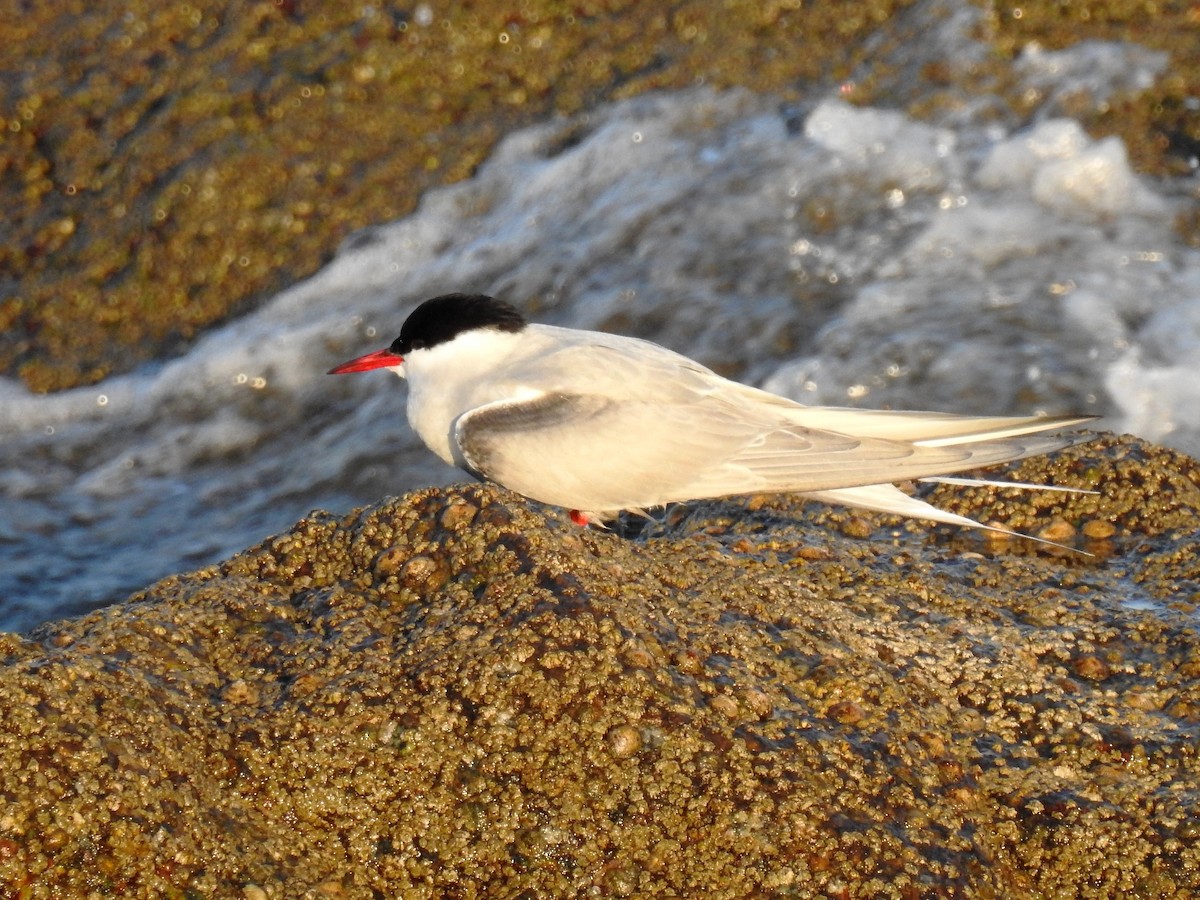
<point x="839" y="255"/>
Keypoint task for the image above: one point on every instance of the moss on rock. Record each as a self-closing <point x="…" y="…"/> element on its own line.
<point x="453" y="694"/>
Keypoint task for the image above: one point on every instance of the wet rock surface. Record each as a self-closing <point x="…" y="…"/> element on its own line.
<point x="173" y="165"/>
<point x="455" y="694"/>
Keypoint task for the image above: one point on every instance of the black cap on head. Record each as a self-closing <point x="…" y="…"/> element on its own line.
<point x="443" y="318"/>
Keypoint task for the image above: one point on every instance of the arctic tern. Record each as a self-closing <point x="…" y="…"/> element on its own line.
<point x="598" y="423"/>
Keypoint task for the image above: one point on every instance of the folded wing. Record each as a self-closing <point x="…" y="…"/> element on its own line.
<point x="601" y="454"/>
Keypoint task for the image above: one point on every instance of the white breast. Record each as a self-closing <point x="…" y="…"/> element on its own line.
<point x="446" y="381"/>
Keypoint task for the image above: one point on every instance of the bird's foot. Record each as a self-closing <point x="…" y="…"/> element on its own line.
<point x="579" y="518"/>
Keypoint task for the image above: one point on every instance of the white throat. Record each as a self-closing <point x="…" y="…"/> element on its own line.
<point x="448" y="380"/>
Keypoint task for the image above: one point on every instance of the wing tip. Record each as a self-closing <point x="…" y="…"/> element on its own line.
<point x="1014" y="427"/>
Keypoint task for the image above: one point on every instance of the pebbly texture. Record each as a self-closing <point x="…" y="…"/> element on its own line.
<point x="451" y="694"/>
<point x="170" y="165"/>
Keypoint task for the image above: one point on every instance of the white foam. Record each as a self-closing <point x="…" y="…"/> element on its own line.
<point x="1093" y="69"/>
<point x="1015" y="162"/>
<point x="1097" y="183"/>
<point x="1067" y="172"/>
<point x="884" y="145"/>
<point x="856" y="257"/>
<point x="1157" y="402"/>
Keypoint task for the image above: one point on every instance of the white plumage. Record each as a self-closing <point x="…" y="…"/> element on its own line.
<point x="599" y="423"/>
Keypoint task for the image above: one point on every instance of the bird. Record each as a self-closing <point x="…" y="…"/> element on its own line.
<point x="599" y="423"/>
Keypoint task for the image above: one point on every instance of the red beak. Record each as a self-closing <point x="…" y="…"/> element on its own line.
<point x="377" y="360"/>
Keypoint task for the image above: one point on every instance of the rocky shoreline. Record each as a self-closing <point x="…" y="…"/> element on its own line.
<point x="451" y="694"/>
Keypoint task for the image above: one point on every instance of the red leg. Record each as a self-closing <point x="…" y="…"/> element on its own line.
<point x="579" y="518"/>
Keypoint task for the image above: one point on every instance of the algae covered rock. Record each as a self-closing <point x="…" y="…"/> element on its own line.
<point x="453" y="694"/>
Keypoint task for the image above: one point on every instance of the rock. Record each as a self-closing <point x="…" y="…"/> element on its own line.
<point x="534" y="708"/>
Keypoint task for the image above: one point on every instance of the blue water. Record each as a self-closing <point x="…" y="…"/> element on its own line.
<point x="842" y="256"/>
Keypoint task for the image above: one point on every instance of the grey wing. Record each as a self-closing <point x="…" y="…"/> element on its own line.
<point x="833" y="460"/>
<point x="686" y="433"/>
<point x="596" y="453"/>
